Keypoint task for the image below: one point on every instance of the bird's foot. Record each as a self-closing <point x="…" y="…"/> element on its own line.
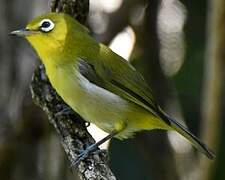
<point x="91" y="150"/>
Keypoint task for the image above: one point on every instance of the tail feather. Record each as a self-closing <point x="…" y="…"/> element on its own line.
<point x="188" y="135"/>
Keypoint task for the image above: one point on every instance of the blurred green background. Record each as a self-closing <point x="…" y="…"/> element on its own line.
<point x="179" y="47"/>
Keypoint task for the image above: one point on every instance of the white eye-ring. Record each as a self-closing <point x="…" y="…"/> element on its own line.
<point x="46" y="25"/>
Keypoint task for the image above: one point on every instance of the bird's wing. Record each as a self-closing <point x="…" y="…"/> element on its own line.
<point x="122" y="80"/>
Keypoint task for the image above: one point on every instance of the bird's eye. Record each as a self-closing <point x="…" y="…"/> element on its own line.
<point x="46" y="25"/>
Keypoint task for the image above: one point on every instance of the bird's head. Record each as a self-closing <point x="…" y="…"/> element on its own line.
<point x="49" y="33"/>
<point x="46" y="33"/>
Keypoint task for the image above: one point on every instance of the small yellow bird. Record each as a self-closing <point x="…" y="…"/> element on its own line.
<point x="97" y="83"/>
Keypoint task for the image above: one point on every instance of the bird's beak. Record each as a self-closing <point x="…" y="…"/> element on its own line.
<point x="22" y="32"/>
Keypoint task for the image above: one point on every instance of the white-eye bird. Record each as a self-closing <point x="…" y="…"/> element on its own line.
<point x="98" y="84"/>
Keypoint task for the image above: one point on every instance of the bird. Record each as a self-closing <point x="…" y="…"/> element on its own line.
<point x="98" y="84"/>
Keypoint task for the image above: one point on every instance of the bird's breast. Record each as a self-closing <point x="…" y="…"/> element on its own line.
<point x="92" y="102"/>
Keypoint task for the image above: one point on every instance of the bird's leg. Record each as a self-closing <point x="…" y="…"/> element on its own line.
<point x="85" y="153"/>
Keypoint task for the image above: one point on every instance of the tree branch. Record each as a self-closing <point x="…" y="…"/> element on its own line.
<point x="70" y="126"/>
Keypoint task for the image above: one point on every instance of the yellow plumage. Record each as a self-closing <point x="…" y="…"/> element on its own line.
<point x="97" y="83"/>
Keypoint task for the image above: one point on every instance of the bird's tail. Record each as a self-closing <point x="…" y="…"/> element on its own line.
<point x="187" y="134"/>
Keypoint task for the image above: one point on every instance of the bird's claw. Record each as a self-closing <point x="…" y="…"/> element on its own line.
<point x="84" y="154"/>
<point x="92" y="149"/>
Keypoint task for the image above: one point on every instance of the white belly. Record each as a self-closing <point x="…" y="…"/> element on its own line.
<point x="99" y="103"/>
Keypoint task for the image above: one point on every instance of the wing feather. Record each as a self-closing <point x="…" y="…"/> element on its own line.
<point x="124" y="81"/>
